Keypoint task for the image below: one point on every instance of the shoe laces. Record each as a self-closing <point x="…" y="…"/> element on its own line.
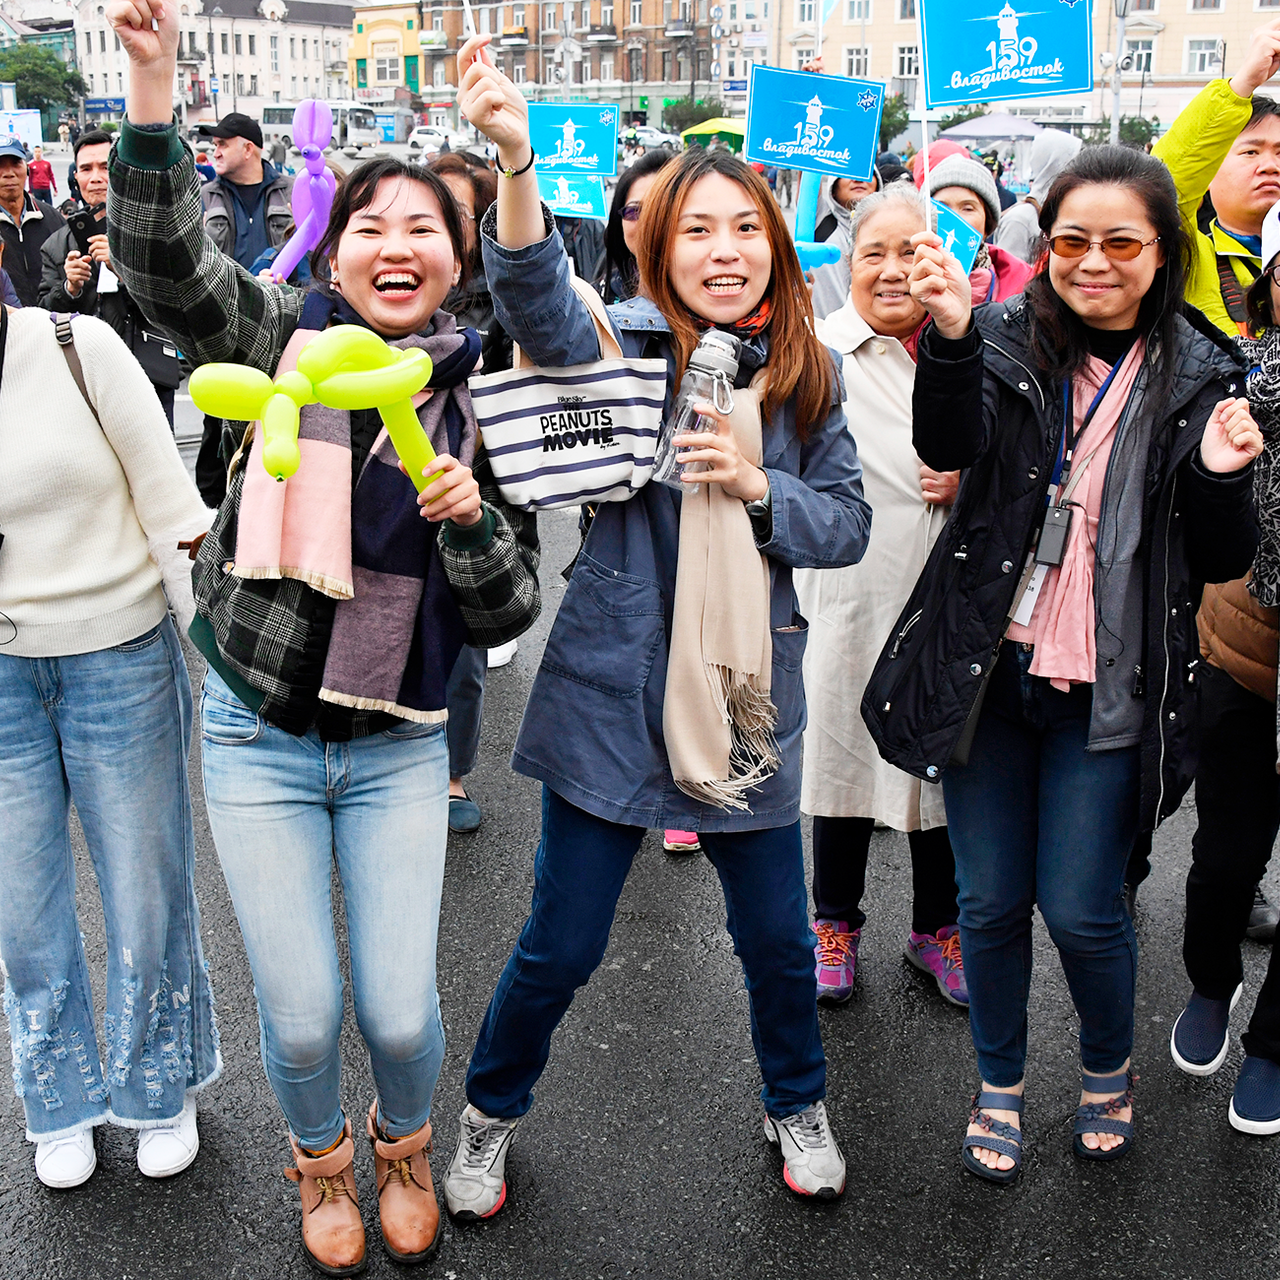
<point x="950" y="948"/>
<point x="807" y="1129"/>
<point x="333" y="1187"/>
<point x="834" y="948"/>
<point x="480" y="1143"/>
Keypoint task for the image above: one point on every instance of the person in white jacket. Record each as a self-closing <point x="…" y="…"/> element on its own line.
<point x="1019" y="229"/>
<point x="846" y="786"/>
<point x="95" y="709"/>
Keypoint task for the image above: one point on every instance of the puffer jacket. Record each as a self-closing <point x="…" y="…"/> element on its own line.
<point x="1240" y="636"/>
<point x="982" y="405"/>
<point x="1194" y="148"/>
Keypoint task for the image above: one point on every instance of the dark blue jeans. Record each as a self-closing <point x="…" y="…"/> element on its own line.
<point x="1036" y="819"/>
<point x="581" y="865"/>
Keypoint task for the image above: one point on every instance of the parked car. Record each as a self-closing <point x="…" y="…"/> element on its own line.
<point x="429" y="138"/>
<point x="649" y="137"/>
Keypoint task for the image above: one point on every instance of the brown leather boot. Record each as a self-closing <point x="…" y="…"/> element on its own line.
<point x="406" y="1195"/>
<point x="332" y="1233"/>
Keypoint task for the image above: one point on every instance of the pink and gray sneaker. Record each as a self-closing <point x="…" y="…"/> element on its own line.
<point x="938" y="955"/>
<point x="681" y="842"/>
<point x="837" y="959"/>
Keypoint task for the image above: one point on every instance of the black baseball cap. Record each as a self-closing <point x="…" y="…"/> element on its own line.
<point x="235" y="125"/>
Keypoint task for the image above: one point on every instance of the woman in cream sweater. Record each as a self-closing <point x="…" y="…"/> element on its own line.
<point x="95" y="708"/>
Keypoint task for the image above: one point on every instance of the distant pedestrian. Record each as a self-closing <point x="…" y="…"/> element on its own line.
<point x="64" y="133"/>
<point x="41" y="178"/>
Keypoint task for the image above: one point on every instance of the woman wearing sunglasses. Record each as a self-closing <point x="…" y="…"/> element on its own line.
<point x="622" y="235"/>
<point x="1045" y="666"/>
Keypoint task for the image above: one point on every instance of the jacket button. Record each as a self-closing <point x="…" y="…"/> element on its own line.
<point x="932" y="771"/>
<point x="1182" y="422"/>
<point x="1024" y="386"/>
<point x="1174" y="611"/>
<point x="1111" y="662"/>
<point x="1007" y="567"/>
<point x="879" y="348"/>
<point x="1173" y="715"/>
<point x="1033" y="473"/>
<point x="975" y="669"/>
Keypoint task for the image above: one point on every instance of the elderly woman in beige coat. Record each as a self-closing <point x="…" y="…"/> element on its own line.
<point x="847" y="787"/>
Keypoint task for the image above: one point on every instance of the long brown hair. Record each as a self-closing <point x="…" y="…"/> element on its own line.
<point x="799" y="364"/>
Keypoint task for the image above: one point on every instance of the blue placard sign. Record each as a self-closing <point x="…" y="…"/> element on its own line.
<point x="959" y="239"/>
<point x="575" y="138"/>
<point x="823" y="124"/>
<point x="573" y="197"/>
<point x="987" y="49"/>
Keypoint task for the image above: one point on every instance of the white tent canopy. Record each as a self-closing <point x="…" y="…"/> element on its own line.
<point x="997" y="126"/>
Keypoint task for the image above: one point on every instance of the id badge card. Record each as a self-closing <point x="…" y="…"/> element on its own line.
<point x="1027" y="605"/>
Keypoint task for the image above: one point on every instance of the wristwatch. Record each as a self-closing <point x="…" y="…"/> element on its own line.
<point x="760" y="513"/>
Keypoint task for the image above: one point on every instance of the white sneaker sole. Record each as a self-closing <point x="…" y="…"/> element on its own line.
<point x="1204" y="1068"/>
<point x="1259" y="1128"/>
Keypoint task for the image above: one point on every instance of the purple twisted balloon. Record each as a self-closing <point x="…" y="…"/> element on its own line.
<point x="312" y="199"/>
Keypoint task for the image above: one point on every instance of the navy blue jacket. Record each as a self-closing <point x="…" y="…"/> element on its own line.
<point x="593" y="728"/>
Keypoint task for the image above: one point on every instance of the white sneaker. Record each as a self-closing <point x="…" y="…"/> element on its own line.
<point x="170" y="1148"/>
<point x="475" y="1186"/>
<point x="66" y="1162"/>
<point x="811" y="1161"/>
<point x="501" y="654"/>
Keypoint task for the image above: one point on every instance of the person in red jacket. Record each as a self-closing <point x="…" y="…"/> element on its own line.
<point x="40" y="178"/>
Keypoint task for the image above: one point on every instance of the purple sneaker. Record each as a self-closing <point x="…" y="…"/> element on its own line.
<point x="837" y="959"/>
<point x="938" y="955"/>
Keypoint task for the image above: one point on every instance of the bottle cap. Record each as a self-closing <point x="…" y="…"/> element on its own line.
<point x="717" y="352"/>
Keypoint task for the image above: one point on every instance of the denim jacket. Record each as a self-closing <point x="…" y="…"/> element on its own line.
<point x="592" y="730"/>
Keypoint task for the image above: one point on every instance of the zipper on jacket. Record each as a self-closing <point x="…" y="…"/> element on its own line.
<point x="902" y="635"/>
<point x="1164" y="632"/>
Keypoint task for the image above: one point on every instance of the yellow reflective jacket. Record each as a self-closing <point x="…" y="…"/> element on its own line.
<point x="1194" y="148"/>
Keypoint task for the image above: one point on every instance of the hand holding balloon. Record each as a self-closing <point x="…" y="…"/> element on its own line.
<point x="313" y="192"/>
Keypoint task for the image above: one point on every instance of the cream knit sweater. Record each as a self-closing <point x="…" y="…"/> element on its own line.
<point x="79" y="502"/>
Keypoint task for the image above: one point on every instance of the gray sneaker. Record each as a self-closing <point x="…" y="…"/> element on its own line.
<point x="475" y="1186"/>
<point x="811" y="1161"/>
<point x="1263" y="918"/>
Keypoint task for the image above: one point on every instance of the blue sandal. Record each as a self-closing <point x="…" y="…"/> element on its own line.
<point x="1000" y="1136"/>
<point x="1100" y="1117"/>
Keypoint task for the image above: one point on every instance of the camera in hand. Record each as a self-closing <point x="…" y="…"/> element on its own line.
<point x="83" y="224"/>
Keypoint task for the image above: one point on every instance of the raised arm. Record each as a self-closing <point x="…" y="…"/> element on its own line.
<point x="207" y="303"/>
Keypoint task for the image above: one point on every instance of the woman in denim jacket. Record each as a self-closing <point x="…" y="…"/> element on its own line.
<point x="715" y="252"/>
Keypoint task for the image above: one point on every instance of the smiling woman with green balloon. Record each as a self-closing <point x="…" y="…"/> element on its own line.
<point x="331" y="614"/>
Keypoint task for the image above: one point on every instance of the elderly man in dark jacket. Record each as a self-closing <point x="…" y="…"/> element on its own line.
<point x="25" y="222"/>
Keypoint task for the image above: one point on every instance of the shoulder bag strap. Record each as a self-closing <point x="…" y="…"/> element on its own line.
<point x="66" y="340"/>
<point x="609" y="348"/>
<point x="1232" y="293"/>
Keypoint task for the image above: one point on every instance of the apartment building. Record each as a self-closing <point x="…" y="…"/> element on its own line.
<point x="1172" y="48"/>
<point x="233" y="55"/>
<point x="638" y="53"/>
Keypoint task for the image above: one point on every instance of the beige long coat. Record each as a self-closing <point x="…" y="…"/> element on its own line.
<point x="851" y="611"/>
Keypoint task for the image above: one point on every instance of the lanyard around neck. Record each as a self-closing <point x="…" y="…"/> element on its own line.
<point x="1062" y="467"/>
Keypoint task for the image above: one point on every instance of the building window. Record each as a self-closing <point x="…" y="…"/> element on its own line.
<point x="635" y="65"/>
<point x="637" y="13"/>
<point x="906" y="10"/>
<point x="437" y="74"/>
<point x="224" y="42"/>
<point x="437" y="24"/>
<point x="1202" y="6"/>
<point x="316" y="54"/>
<point x="606" y="66"/>
<point x="253" y="46"/>
<point x="855" y="60"/>
<point x="119" y="82"/>
<point x="666" y="64"/>
<point x="804" y="13"/>
<point x="858" y="11"/>
<point x="102" y="42"/>
<point x="275" y="53"/>
<point x="293" y="48"/>
<point x="362" y="73"/>
<point x="1140" y="51"/>
<point x="408" y="26"/>
<point x="239" y="84"/>
<point x="91" y="88"/>
<point x="803" y="56"/>
<point x="1202" y="57"/>
<point x="386" y="62"/>
<point x="548" y="16"/>
<point x="907" y="61"/>
<point x="518" y="72"/>
<point x="253" y="86"/>
<point x="1148" y="6"/>
<point x="88" y="42"/>
<point x="238" y="48"/>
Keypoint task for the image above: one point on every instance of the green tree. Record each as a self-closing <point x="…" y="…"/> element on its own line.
<point x="684" y="113"/>
<point x="962" y="115"/>
<point x="43" y="80"/>
<point x="897" y="114"/>
<point x="1135" y="131"/>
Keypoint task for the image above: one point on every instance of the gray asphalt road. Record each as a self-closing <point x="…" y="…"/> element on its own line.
<point x="644" y="1154"/>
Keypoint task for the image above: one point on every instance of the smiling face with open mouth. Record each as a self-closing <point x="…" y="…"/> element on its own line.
<point x="395" y="261"/>
<point x="720" y="261"/>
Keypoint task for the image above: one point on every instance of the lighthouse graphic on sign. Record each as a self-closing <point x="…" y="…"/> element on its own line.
<point x="813" y="120"/>
<point x="569" y="146"/>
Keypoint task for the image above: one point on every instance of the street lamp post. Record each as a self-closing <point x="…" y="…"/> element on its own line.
<point x="213" y="67"/>
<point x="1122" y="12"/>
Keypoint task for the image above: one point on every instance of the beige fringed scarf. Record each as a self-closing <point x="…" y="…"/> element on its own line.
<point x="717" y="717"/>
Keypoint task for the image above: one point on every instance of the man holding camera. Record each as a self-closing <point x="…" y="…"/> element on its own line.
<point x="76" y="272"/>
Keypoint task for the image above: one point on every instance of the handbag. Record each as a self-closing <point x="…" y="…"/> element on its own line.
<point x="585" y="433"/>
<point x="155" y="353"/>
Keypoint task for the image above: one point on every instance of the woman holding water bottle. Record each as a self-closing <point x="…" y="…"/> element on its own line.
<point x="621" y="726"/>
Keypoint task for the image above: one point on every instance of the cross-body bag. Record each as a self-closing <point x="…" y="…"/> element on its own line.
<point x="562" y="437"/>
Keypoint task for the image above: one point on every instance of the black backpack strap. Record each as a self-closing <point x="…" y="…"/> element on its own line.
<point x="1232" y="292"/>
<point x="66" y="340"/>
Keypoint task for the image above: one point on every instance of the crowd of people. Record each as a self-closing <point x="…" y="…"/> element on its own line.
<point x="991" y="558"/>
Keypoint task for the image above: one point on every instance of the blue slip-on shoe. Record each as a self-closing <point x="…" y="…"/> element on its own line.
<point x="1255" y="1105"/>
<point x="1201" y="1036"/>
<point x="464" y="814"/>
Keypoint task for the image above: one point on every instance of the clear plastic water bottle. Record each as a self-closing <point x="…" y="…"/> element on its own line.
<point x="707" y="380"/>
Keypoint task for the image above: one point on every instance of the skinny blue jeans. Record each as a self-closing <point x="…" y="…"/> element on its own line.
<point x="108" y="730"/>
<point x="283" y="809"/>
<point x="581" y="865"/>
<point x="1038" y="820"/>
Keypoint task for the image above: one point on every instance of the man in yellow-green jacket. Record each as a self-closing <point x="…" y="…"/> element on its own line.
<point x="1226" y="142"/>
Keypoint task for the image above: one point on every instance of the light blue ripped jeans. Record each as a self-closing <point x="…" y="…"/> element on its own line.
<point x="284" y="810"/>
<point x="108" y="730"/>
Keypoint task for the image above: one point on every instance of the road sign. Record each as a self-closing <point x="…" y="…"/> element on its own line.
<point x="823" y="124"/>
<point x="215" y="85"/>
<point x="734" y="86"/>
<point x="986" y="49"/>
<point x="715" y="71"/>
